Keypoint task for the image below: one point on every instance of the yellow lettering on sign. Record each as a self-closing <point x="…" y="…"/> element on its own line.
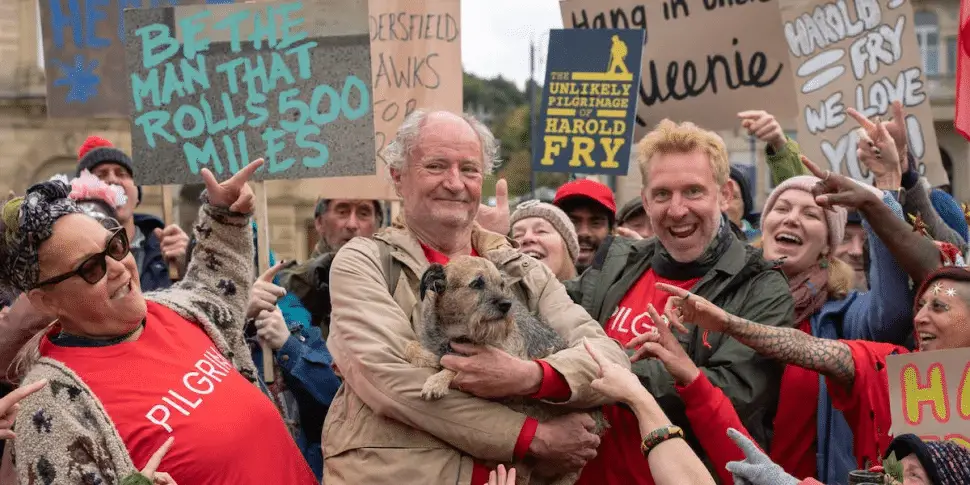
<point x="553" y="145"/>
<point x="582" y="150"/>
<point x="916" y="394"/>
<point x="611" y="146"/>
<point x="964" y="393"/>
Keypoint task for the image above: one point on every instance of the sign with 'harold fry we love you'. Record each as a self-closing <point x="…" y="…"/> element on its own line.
<point x="218" y="86"/>
<point x="929" y="394"/>
<point x="858" y="54"/>
<point x="587" y="116"/>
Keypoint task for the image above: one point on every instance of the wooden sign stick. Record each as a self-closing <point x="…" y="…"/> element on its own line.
<point x="262" y="241"/>
<point x="168" y="215"/>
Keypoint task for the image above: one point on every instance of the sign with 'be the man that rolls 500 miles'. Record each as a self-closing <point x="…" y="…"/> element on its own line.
<point x="218" y="86"/>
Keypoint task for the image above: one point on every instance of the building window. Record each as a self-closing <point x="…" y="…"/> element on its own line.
<point x="951" y="54"/>
<point x="928" y="37"/>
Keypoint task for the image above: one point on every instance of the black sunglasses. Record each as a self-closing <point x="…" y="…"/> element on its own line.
<point x="94" y="268"/>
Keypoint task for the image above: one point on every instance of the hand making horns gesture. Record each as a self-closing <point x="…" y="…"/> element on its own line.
<point x="691" y="308"/>
<point x="835" y="189"/>
<point x="233" y="194"/>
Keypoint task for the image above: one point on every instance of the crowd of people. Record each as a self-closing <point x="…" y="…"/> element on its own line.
<point x="720" y="342"/>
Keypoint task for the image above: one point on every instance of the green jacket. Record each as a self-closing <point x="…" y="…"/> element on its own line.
<point x="742" y="283"/>
<point x="785" y="163"/>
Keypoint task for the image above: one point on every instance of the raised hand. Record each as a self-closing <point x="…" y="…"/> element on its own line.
<point x="628" y="233"/>
<point x="757" y="468"/>
<point x="614" y="381"/>
<point x="897" y="129"/>
<point x="264" y="293"/>
<point x="233" y="194"/>
<point x="835" y="189"/>
<point x="764" y="126"/>
<point x="497" y="219"/>
<point x="663" y="346"/>
<point x="876" y="149"/>
<point x="150" y="470"/>
<point x="174" y="243"/>
<point x="692" y="308"/>
<point x="9" y="407"/>
<point x="499" y="477"/>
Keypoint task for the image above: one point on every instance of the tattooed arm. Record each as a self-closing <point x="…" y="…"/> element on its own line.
<point x="792" y="346"/>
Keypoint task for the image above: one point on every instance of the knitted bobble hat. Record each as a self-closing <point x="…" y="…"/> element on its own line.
<point x="97" y="150"/>
<point x="835" y="218"/>
<point x="555" y="216"/>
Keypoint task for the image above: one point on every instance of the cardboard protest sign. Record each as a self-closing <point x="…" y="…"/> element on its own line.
<point x="219" y="86"/>
<point x="588" y="112"/>
<point x="416" y="64"/>
<point x="703" y="60"/>
<point x="860" y="54"/>
<point x="929" y="394"/>
<point x="83" y="49"/>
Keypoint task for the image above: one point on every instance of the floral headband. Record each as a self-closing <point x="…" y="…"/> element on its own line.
<point x="25" y="223"/>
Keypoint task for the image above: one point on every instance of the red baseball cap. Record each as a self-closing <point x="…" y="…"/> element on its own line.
<point x="589" y="189"/>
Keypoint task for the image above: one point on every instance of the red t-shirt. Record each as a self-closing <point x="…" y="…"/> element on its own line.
<point x="866" y="405"/>
<point x="619" y="460"/>
<point x="794" y="444"/>
<point x="173" y="381"/>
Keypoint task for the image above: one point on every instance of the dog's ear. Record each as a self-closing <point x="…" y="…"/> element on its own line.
<point x="432" y="280"/>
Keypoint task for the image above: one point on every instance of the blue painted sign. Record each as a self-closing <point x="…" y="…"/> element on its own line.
<point x="589" y="102"/>
<point x="84" y="52"/>
<point x="217" y="87"/>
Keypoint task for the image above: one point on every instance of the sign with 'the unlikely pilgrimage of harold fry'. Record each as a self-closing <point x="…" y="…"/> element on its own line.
<point x="218" y="86"/>
<point x="588" y="112"/>
<point x="858" y="54"/>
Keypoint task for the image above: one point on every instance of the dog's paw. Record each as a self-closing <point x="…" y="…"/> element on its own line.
<point x="437" y="386"/>
<point x="433" y="390"/>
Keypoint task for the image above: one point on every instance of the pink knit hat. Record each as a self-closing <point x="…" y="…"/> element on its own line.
<point x="835" y="218"/>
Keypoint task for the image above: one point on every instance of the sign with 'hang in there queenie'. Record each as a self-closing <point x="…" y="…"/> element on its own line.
<point x="587" y="116"/>
<point x="219" y="86"/>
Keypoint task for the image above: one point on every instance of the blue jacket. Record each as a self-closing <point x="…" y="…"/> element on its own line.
<point x="154" y="270"/>
<point x="883" y="314"/>
<point x="306" y="366"/>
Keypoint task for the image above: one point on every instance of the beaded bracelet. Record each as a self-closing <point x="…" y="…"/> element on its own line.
<point x="658" y="436"/>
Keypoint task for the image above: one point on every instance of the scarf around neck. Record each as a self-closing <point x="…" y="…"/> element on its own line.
<point x="809" y="289"/>
<point x="665" y="266"/>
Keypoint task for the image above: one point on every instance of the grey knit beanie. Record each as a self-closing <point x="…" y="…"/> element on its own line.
<point x="555" y="216"/>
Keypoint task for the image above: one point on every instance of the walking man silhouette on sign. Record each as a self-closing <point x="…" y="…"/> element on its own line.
<point x="618" y="53"/>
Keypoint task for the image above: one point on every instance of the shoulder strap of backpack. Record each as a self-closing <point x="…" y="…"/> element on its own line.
<point x="392" y="269"/>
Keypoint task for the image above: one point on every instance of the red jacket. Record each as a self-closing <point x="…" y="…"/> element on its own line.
<point x="711" y="413"/>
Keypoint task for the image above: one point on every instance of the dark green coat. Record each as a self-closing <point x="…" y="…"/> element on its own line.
<point x="742" y="283"/>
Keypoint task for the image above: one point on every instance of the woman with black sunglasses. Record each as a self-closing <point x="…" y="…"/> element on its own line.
<point x="128" y="372"/>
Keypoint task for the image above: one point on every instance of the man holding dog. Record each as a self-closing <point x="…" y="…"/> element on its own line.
<point x="379" y="430"/>
<point x="686" y="190"/>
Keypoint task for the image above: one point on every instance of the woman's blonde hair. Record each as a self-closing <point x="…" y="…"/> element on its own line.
<point x="27" y="357"/>
<point x="670" y="137"/>
<point x="841" y="275"/>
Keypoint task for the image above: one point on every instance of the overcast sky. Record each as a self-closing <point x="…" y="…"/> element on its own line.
<point x="495" y="36"/>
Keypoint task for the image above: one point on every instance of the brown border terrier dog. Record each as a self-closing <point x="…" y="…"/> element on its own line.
<point x="468" y="301"/>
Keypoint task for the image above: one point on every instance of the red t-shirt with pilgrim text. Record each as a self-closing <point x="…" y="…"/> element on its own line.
<point x="619" y="460"/>
<point x="554" y="387"/>
<point x="173" y="381"/>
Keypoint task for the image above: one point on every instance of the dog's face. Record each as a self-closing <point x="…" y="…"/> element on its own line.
<point x="470" y="300"/>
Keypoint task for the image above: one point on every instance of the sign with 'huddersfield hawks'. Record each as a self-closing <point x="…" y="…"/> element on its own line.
<point x="589" y="104"/>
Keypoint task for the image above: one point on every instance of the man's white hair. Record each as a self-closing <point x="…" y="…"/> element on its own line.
<point x="399" y="150"/>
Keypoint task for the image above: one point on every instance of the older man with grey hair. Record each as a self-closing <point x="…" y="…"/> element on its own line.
<point x="379" y="430"/>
